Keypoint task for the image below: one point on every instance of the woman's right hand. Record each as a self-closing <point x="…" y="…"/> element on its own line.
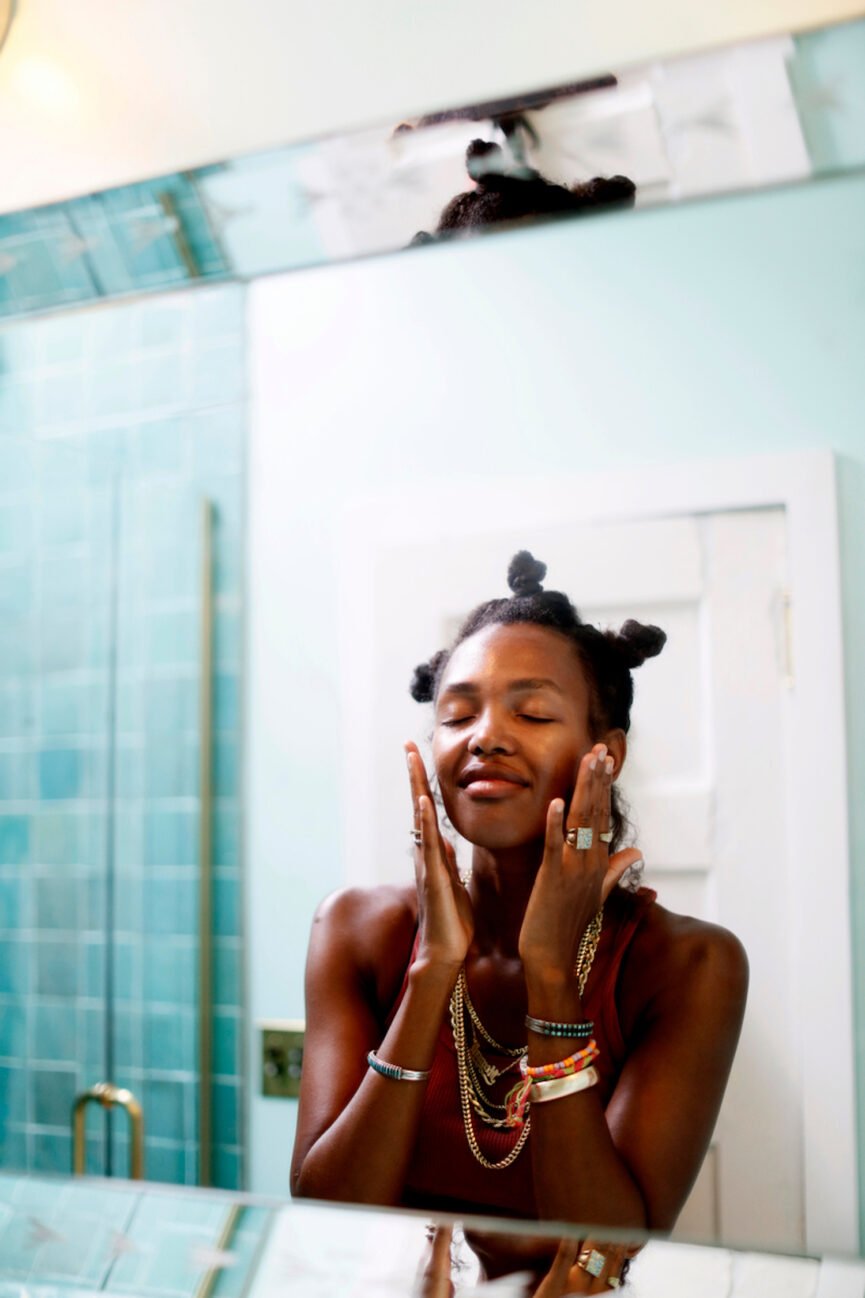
<point x="445" y="920"/>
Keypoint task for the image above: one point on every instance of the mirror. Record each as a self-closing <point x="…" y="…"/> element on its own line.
<point x="122" y="649"/>
<point x="767" y="112"/>
<point x="168" y="1240"/>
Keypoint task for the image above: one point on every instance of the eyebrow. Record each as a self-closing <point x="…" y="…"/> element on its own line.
<point x="526" y="686"/>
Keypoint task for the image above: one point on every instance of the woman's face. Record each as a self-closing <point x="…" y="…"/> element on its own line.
<point x="511" y="724"/>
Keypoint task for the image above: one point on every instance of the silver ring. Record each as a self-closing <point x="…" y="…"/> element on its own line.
<point x="417" y="837"/>
<point x="606" y="838"/>
<point x="580" y="838"/>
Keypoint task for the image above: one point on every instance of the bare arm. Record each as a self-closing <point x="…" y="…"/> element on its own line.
<point x="634" y="1165"/>
<point x="356" y="1129"/>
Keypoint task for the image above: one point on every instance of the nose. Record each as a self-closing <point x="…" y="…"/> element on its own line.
<point x="490" y="734"/>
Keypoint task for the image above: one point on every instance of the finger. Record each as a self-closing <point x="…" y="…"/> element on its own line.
<point x="584" y="811"/>
<point x="619" y="865"/>
<point x="431" y="844"/>
<point x="554" y="833"/>
<point x="417" y="777"/>
<point x="604" y="794"/>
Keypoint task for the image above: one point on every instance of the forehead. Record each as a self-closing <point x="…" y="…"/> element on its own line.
<point x="499" y="654"/>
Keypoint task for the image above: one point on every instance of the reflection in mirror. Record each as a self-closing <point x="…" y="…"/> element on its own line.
<point x="776" y="110"/>
<point x="120" y="640"/>
<point x="171" y="1243"/>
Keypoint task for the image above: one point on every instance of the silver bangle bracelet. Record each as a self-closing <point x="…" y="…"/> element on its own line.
<point x="394" y="1072"/>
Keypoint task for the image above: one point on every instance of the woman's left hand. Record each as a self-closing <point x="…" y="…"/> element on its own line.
<point x="572" y="882"/>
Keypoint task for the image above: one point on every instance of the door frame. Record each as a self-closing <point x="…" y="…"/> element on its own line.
<point x="804" y="485"/>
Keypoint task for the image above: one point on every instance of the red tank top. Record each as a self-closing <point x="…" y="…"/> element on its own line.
<point x="442" y="1155"/>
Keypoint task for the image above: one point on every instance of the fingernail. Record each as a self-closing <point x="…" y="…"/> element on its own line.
<point x="609" y="765"/>
<point x="593" y="762"/>
<point x="602" y="749"/>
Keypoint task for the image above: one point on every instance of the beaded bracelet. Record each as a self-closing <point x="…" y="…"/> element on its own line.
<point x="563" y="1067"/>
<point x="557" y="1087"/>
<point x="517" y="1098"/>
<point x="548" y="1028"/>
<point x="394" y="1072"/>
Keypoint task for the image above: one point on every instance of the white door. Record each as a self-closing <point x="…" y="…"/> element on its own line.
<point x="704" y="777"/>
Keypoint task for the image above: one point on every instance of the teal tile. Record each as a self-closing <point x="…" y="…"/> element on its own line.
<point x="64" y="583"/>
<point x="127" y="1039"/>
<point x="218" y="376"/>
<point x="16" y="594"/>
<point x="226" y="1045"/>
<point x="129" y="769"/>
<point x="163" y="324"/>
<point x="226" y="710"/>
<point x="60" y="773"/>
<point x="160" y="447"/>
<point x="168" y="1109"/>
<point x="226" y="905"/>
<point x="94" y="975"/>
<point x="13" y="1146"/>
<point x="128" y="837"/>
<point x="227" y="640"/>
<point x="66" y="707"/>
<point x="114" y="393"/>
<point x="57" y="969"/>
<point x="14" y="980"/>
<point x="59" y="399"/>
<point x="60" y="463"/>
<point x="171" y="704"/>
<point x="53" y="1094"/>
<point x="171" y="838"/>
<point x="16" y="776"/>
<point x="217" y="314"/>
<point x="170" y="907"/>
<point x="10" y="904"/>
<point x="163" y="383"/>
<point x="14" y="840"/>
<point x="226" y="972"/>
<point x="169" y="1040"/>
<point x="58" y="903"/>
<point x="166" y="1162"/>
<point x="171" y="639"/>
<point x="52" y="1153"/>
<point x="55" y="1034"/>
<point x="170" y="972"/>
<point x="17" y="465"/>
<point x="63" y="518"/>
<point x="226" y="834"/>
<point x="226" y="1112"/>
<point x="129" y="904"/>
<point x="227" y="1168"/>
<point x="92" y="1039"/>
<point x="13" y="1023"/>
<point x="63" y="638"/>
<point x="16" y="647"/>
<point x="13" y="1094"/>
<point x="16" y="407"/>
<point x="127" y="969"/>
<point x="16" y="709"/>
<point x="68" y="838"/>
<point x="218" y="439"/>
<point x="226" y="771"/>
<point x="171" y="770"/>
<point x="16" y="539"/>
<point x="61" y="340"/>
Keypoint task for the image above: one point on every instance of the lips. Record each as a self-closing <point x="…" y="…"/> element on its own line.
<point x="491" y="777"/>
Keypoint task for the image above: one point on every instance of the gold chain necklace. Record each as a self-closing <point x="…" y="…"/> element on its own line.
<point x="471" y="1062"/>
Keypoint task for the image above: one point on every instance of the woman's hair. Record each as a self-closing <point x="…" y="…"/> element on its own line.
<point x="608" y="657"/>
<point x="505" y="193"/>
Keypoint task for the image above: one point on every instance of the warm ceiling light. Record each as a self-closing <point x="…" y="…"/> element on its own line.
<point x="7" y="9"/>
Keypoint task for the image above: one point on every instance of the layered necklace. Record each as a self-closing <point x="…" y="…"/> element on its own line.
<point x="478" y="1074"/>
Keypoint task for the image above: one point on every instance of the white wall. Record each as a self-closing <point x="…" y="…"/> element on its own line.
<point x="726" y="326"/>
<point x="97" y="93"/>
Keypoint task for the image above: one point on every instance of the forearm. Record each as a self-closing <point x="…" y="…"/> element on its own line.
<point x="363" y="1156"/>
<point x="578" y="1174"/>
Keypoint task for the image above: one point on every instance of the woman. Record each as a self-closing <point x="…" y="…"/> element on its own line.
<point x="538" y="1041"/>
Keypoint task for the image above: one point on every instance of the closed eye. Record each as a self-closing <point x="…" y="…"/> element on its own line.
<point x="528" y="716"/>
<point x="455" y="721"/>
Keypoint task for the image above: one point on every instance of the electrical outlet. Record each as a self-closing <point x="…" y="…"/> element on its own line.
<point x="281" y="1057"/>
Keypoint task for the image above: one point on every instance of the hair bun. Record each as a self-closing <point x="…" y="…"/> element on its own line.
<point x="423" y="682"/>
<point x="637" y="642"/>
<point x="525" y="574"/>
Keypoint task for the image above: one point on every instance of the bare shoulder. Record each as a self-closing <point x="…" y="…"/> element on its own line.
<point x="372" y="929"/>
<point x="674" y="959"/>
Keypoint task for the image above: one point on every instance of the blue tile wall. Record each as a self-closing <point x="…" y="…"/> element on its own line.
<point x="116" y="422"/>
